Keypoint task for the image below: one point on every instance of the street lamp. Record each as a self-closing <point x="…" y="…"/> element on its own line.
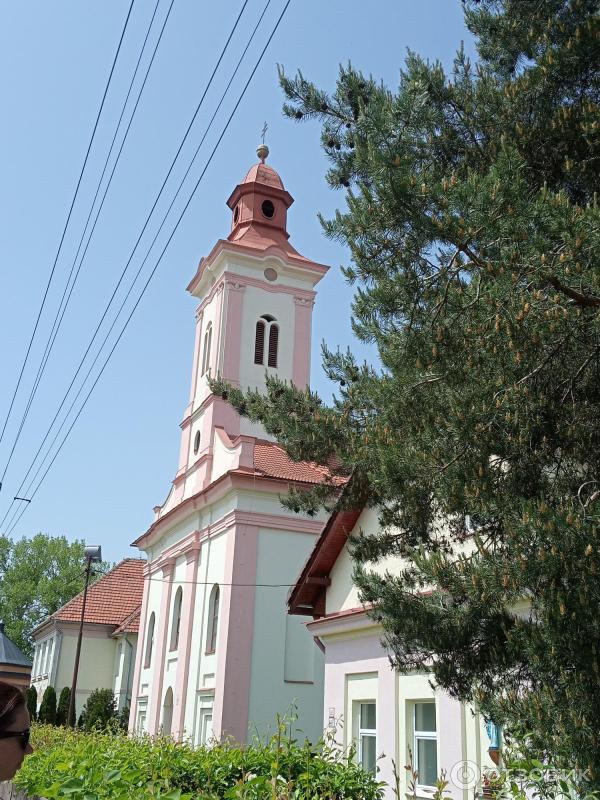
<point x="92" y="554"/>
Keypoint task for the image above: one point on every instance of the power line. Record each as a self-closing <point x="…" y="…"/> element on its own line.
<point x="125" y="269"/>
<point x="66" y="225"/>
<point x="191" y="196"/>
<point x="61" y="310"/>
<point x="97" y="356"/>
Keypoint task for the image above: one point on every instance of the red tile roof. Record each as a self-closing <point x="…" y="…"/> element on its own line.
<point x="130" y="624"/>
<point x="307" y="597"/>
<point x="113" y="600"/>
<point x="271" y="460"/>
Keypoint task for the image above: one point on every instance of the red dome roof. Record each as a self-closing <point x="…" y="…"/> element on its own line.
<point x="263" y="173"/>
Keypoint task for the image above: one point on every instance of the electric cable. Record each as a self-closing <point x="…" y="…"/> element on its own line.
<point x="45" y="295"/>
<point x="97" y="356"/>
<point x="157" y="264"/>
<point x="62" y="309"/>
<point x="125" y="269"/>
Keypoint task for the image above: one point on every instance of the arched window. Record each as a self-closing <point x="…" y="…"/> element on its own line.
<point x="167" y="715"/>
<point x="264" y="324"/>
<point x="213" y="619"/>
<point x="273" y="343"/>
<point x="149" y="641"/>
<point x="176" y="620"/>
<point x="259" y="343"/>
<point x="206" y="351"/>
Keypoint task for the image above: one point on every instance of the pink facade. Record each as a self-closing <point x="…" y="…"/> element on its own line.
<point x="221" y="548"/>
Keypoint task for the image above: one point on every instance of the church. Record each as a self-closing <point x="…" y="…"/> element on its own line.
<point x="217" y="654"/>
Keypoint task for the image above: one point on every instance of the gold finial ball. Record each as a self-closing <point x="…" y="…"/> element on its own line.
<point x="262" y="151"/>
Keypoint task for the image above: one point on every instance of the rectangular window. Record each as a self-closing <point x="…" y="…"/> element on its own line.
<point x="204" y="731"/>
<point x="367" y="735"/>
<point x="141" y="721"/>
<point x="206" y="726"/>
<point x="425" y="744"/>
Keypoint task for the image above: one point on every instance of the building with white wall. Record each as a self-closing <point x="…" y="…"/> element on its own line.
<point x="389" y="717"/>
<point x="218" y="655"/>
<point x="109" y="640"/>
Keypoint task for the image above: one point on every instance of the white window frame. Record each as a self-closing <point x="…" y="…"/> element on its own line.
<point x="371" y="733"/>
<point x="429" y="735"/>
<point x="140" y="723"/>
<point x="207" y="348"/>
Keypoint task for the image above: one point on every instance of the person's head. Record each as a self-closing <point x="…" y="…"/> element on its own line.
<point x="14" y="730"/>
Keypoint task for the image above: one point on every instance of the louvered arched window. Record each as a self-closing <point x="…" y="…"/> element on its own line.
<point x="206" y="350"/>
<point x="266" y="338"/>
<point x="149" y="641"/>
<point x="176" y="620"/>
<point x="273" y="344"/>
<point x="259" y="343"/>
<point x="213" y="619"/>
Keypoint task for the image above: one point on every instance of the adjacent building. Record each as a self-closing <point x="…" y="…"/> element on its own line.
<point x="109" y="641"/>
<point x="389" y="717"/>
<point x="15" y="667"/>
<point x="217" y="654"/>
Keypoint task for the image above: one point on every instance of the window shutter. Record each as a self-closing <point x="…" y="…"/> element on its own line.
<point x="259" y="343"/>
<point x="273" y="342"/>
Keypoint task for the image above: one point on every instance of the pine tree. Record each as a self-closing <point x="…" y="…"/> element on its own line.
<point x="62" y="710"/>
<point x="473" y="228"/>
<point x="31" y="700"/>
<point x="47" y="712"/>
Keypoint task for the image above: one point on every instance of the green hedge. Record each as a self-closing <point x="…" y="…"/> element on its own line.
<point x="93" y="766"/>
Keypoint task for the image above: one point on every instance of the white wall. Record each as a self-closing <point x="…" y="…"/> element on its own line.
<point x="96" y="664"/>
<point x="280" y="558"/>
<point x="202" y="665"/>
<point x="357" y="669"/>
<point x="343" y="594"/>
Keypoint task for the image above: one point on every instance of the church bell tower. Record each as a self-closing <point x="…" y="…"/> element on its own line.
<point x="254" y="319"/>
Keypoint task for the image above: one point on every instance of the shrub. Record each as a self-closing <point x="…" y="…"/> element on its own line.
<point x="73" y="765"/>
<point x="47" y="713"/>
<point x="123" y="718"/>
<point x="31" y="701"/>
<point x="62" y="711"/>
<point x="99" y="711"/>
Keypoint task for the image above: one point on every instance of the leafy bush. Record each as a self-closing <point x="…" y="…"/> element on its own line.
<point x="31" y="701"/>
<point x="62" y="711"/>
<point x="47" y="713"/>
<point x="76" y="765"/>
<point x="123" y="718"/>
<point x="100" y="710"/>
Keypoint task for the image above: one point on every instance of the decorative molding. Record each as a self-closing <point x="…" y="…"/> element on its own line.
<point x="168" y="566"/>
<point x="236" y="286"/>
<point x="239" y="282"/>
<point x="209" y="494"/>
<point x="304" y="301"/>
<point x="199" y="313"/>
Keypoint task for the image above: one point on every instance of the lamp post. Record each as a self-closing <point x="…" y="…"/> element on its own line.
<point x="92" y="553"/>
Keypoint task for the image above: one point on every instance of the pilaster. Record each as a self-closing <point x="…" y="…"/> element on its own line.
<point x="185" y="640"/>
<point x="302" y="340"/>
<point x="161" y="646"/>
<point x="232" y="327"/>
<point x="234" y="645"/>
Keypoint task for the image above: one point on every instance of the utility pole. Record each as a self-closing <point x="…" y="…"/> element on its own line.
<point x="93" y="553"/>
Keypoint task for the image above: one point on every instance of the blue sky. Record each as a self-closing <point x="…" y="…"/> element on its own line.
<point x="55" y="58"/>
